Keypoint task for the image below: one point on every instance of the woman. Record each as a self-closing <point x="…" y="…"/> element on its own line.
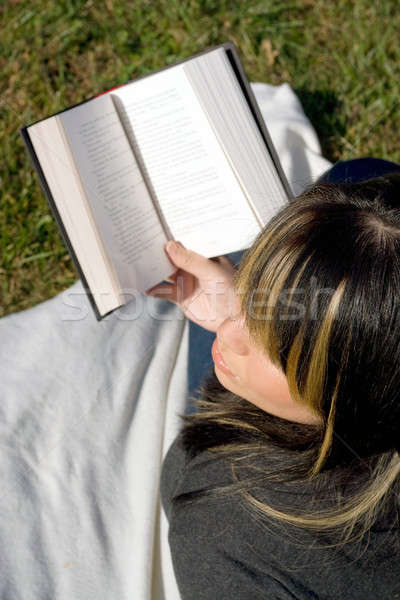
<point x="285" y="482"/>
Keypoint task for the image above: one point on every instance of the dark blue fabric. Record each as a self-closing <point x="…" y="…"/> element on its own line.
<point x="200" y="340"/>
<point x="358" y="169"/>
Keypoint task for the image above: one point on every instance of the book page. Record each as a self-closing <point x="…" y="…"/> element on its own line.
<point x="193" y="183"/>
<point x="117" y="194"/>
<point x="222" y="99"/>
<point x="58" y="168"/>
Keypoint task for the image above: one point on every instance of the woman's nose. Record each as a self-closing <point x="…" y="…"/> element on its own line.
<point x="233" y="336"/>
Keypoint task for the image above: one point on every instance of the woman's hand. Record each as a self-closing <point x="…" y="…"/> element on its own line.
<point x="201" y="287"/>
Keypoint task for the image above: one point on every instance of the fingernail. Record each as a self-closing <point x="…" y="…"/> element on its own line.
<point x="173" y="247"/>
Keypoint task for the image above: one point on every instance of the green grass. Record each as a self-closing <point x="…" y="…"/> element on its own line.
<point x="342" y="58"/>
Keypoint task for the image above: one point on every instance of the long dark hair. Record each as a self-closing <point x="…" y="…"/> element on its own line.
<point x="328" y="268"/>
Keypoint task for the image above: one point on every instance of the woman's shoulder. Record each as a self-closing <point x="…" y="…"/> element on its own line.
<point x="173" y="468"/>
<point x="188" y="470"/>
<point x="184" y="472"/>
<point x="223" y="536"/>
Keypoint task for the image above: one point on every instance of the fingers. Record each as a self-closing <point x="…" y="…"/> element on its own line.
<point x="182" y="286"/>
<point x="196" y="264"/>
<point x="165" y="292"/>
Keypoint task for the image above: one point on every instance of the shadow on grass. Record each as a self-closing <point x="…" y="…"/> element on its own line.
<point x="324" y="110"/>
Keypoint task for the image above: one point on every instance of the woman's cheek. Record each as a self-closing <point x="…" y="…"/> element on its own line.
<point x="242" y="369"/>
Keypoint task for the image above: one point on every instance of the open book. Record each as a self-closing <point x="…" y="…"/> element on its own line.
<point x="180" y="154"/>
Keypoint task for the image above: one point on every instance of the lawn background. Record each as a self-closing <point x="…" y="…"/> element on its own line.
<point x="342" y="58"/>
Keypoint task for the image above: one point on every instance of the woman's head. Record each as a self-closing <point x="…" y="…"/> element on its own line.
<point x="320" y="299"/>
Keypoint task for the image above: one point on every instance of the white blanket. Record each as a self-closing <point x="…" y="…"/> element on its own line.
<point x="87" y="412"/>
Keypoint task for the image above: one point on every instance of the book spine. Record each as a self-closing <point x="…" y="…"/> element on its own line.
<point x="42" y="179"/>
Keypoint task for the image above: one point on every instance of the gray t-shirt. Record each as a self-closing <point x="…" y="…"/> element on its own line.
<point x="220" y="551"/>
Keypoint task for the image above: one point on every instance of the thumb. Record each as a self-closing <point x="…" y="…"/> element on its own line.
<point x="191" y="262"/>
